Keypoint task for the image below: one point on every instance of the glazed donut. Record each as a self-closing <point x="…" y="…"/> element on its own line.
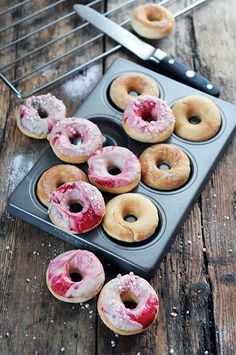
<point x="148" y="119"/>
<point x="178" y="162"/>
<point x="39" y="114"/>
<point x="130" y="204"/>
<point x="82" y="262"/>
<point x="108" y="158"/>
<point x="76" y="193"/>
<point x="62" y="135"/>
<point x="152" y="21"/>
<point x="196" y="107"/>
<point x="120" y="318"/>
<point x="122" y="86"/>
<point x="56" y="176"/>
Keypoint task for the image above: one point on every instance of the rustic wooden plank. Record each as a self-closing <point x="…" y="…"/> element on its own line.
<point x="195" y="281"/>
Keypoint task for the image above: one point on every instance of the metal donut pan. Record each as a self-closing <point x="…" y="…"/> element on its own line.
<point x="173" y="206"/>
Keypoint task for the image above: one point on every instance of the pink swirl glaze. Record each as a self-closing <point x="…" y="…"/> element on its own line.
<point x="34" y="109"/>
<point x="82" y="193"/>
<point x="82" y="262"/>
<point x="108" y="158"/>
<point x="149" y="115"/>
<point x="66" y="130"/>
<point x="124" y="318"/>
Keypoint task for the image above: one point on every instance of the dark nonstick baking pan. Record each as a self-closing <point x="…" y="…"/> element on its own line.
<point x="173" y="206"/>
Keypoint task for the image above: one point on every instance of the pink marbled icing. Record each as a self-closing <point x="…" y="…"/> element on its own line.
<point x="76" y="261"/>
<point x="66" y="130"/>
<point x="83" y="193"/>
<point x="124" y="318"/>
<point x="30" y="119"/>
<point x="113" y="157"/>
<point x="148" y="107"/>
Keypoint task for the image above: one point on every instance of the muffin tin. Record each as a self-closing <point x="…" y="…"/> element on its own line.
<point x="173" y="206"/>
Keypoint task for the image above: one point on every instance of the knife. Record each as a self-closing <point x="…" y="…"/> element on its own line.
<point x="145" y="51"/>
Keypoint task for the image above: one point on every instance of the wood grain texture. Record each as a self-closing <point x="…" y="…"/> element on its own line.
<point x="196" y="280"/>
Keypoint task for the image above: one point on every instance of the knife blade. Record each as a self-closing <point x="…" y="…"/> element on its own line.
<point x="147" y="52"/>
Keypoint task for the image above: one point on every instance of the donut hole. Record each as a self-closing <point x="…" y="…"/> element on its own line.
<point x="163" y="166"/>
<point x="130" y="218"/>
<point x="75" y="276"/>
<point x="114" y="171"/>
<point x="133" y="92"/>
<point x="146" y="112"/>
<point x="42" y="112"/>
<point x="75" y="206"/>
<point x="194" y="120"/>
<point x="76" y="140"/>
<point x="128" y="300"/>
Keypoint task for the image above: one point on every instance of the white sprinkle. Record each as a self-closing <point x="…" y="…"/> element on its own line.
<point x="116" y="335"/>
<point x="172" y="351"/>
<point x="51" y="321"/>
<point x="138" y="353"/>
<point x="28" y="280"/>
<point x="34" y="252"/>
<point x="62" y="350"/>
<point x="34" y="338"/>
<point x="204" y="250"/>
<point x="230" y="250"/>
<point x="214" y="195"/>
<point x="113" y="343"/>
<point x="119" y="275"/>
<point x="87" y="305"/>
<point x="187" y="312"/>
<point x="131" y="273"/>
<point x="206" y="352"/>
<point x="7" y="334"/>
<point x="91" y="312"/>
<point x="7" y="247"/>
<point x="174" y="307"/>
<point x="189" y="242"/>
<point x="173" y="314"/>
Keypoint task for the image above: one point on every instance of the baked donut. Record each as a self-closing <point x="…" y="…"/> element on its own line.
<point x="56" y="176"/>
<point x="104" y="160"/>
<point x="178" y="162"/>
<point x="71" y="195"/>
<point x="122" y="86"/>
<point x="75" y="262"/>
<point x="62" y="135"/>
<point x="39" y="114"/>
<point x="152" y="21"/>
<point x="197" y="118"/>
<point x="117" y="315"/>
<point x="148" y="119"/>
<point x="143" y="211"/>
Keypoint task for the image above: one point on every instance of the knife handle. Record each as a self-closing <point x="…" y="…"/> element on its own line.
<point x="185" y="74"/>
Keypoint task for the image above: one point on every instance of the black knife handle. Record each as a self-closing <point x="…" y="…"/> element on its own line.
<point x="186" y="75"/>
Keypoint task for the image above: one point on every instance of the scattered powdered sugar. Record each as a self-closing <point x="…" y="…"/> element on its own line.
<point x="82" y="84"/>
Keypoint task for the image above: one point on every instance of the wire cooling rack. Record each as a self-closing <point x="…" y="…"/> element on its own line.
<point x="42" y="43"/>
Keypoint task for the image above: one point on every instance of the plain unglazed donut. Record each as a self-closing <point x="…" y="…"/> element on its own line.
<point x="76" y="193"/>
<point x="130" y="204"/>
<point x="38" y="115"/>
<point x="63" y="133"/>
<point x="122" y="86"/>
<point x="205" y="110"/>
<point x="152" y="21"/>
<point x="57" y="175"/>
<point x="107" y="158"/>
<point x="171" y="155"/>
<point x="81" y="262"/>
<point x="124" y="320"/>
<point x="148" y="119"/>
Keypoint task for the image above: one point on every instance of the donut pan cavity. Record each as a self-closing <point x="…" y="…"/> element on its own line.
<point x="173" y="206"/>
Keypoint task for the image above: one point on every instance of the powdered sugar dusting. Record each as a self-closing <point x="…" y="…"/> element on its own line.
<point x="79" y="86"/>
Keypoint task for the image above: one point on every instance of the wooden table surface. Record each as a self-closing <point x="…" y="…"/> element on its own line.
<point x="196" y="281"/>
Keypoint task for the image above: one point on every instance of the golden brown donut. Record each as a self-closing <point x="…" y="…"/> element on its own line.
<point x="205" y="110"/>
<point x="168" y="154"/>
<point x="152" y="21"/>
<point x="52" y="178"/>
<point x="124" y="84"/>
<point x="130" y="204"/>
